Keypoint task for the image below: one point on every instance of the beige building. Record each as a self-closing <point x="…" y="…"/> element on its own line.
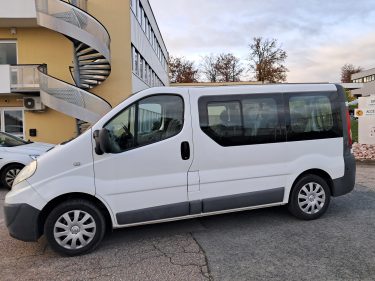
<point x="367" y="79"/>
<point x="64" y="64"/>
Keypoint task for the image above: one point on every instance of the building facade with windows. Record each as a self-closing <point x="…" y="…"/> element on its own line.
<point x="367" y="78"/>
<point x="64" y="64"/>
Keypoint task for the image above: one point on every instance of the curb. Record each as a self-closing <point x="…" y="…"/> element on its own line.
<point x="365" y="162"/>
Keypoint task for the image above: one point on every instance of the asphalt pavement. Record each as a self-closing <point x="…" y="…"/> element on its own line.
<point x="266" y="244"/>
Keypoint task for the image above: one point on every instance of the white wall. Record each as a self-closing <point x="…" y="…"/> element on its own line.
<point x="18" y="9"/>
<point x="138" y="84"/>
<point x="4" y="79"/>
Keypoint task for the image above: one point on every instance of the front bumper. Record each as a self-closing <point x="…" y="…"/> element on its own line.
<point x="22" y="221"/>
<point x="346" y="183"/>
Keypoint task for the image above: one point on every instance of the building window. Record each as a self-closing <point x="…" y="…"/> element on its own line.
<point x="141" y="63"/>
<point x="136" y="62"/>
<point x="133" y="4"/>
<point x="139" y="13"/>
<point x="8" y="52"/>
<point x="12" y="121"/>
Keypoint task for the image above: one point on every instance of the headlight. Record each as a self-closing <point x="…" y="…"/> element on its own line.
<point x="34" y="156"/>
<point x="25" y="173"/>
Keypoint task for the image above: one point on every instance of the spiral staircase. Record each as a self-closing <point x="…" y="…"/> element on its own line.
<point x="91" y="59"/>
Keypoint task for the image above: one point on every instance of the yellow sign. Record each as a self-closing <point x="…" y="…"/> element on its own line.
<point x="358" y="112"/>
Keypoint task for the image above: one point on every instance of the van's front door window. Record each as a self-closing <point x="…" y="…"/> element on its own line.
<point x="148" y="121"/>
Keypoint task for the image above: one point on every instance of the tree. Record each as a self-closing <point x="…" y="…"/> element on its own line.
<point x="224" y="67"/>
<point x="182" y="70"/>
<point x="346" y="72"/>
<point x="229" y="68"/>
<point x="209" y="66"/>
<point x="267" y="60"/>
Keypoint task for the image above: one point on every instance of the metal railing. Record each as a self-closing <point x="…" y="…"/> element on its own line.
<point x="24" y="78"/>
<point x="91" y="43"/>
<point x="59" y="95"/>
<point x="72" y="15"/>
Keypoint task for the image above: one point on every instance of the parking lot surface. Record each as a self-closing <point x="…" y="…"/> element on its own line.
<point x="265" y="244"/>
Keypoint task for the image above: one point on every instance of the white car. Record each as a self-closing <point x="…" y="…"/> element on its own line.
<point x="16" y="153"/>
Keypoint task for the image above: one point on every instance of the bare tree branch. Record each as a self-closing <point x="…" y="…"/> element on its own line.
<point x="267" y="60"/>
<point x="346" y="72"/>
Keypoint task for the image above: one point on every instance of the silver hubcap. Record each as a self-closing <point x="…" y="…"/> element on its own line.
<point x="11" y="175"/>
<point x="74" y="229"/>
<point x="311" y="198"/>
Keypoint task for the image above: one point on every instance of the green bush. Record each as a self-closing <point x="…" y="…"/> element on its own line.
<point x="354" y="127"/>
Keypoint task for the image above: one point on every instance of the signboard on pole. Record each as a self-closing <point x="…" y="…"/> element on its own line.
<point x="366" y="119"/>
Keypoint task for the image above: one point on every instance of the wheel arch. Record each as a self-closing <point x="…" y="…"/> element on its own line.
<point x="76" y="195"/>
<point x="317" y="172"/>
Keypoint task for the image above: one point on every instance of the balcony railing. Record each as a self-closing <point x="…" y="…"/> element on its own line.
<point x="63" y="17"/>
<point x="24" y="78"/>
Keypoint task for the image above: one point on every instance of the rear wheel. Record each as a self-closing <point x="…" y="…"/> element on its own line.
<point x="9" y="174"/>
<point x="310" y="198"/>
<point x="75" y="227"/>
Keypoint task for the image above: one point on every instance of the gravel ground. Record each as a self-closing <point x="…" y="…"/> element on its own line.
<point x="265" y="244"/>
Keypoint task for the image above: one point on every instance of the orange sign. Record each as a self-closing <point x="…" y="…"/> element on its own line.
<point x="358" y="113"/>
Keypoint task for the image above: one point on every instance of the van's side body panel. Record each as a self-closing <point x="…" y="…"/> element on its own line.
<point x="325" y="155"/>
<point x="65" y="169"/>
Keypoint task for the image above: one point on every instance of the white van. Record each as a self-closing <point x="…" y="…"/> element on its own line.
<point x="176" y="153"/>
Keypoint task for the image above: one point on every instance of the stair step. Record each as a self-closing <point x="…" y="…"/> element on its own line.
<point x="87" y="51"/>
<point x="84" y="71"/>
<point x="89" y="82"/>
<point x="93" y="56"/>
<point x="86" y="86"/>
<point x="102" y="64"/>
<point x="94" y="77"/>
<point x="81" y="47"/>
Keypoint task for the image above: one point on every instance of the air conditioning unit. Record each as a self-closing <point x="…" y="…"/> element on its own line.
<point x="33" y="103"/>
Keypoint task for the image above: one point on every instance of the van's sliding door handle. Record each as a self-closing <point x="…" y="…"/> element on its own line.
<point x="185" y="150"/>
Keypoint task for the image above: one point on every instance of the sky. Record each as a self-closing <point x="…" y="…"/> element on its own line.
<point x="319" y="36"/>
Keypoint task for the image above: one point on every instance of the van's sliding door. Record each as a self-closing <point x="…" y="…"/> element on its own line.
<point x="239" y="150"/>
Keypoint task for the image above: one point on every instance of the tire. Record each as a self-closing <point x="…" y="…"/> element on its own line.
<point x="9" y="173"/>
<point x="74" y="220"/>
<point x="310" y="198"/>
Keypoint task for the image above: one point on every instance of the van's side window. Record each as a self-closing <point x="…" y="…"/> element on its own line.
<point x="224" y="118"/>
<point x="150" y="120"/>
<point x="261" y="119"/>
<point x="242" y="119"/>
<point x="313" y="116"/>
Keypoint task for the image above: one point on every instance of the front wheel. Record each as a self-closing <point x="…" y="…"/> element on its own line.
<point x="310" y="198"/>
<point x="74" y="227"/>
<point x="9" y="174"/>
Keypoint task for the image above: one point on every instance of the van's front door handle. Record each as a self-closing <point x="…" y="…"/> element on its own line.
<point x="185" y="150"/>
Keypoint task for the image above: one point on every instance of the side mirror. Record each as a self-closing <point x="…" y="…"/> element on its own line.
<point x="98" y="149"/>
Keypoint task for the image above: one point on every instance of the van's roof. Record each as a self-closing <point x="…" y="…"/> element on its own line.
<point x="306" y="86"/>
<point x="270" y="88"/>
